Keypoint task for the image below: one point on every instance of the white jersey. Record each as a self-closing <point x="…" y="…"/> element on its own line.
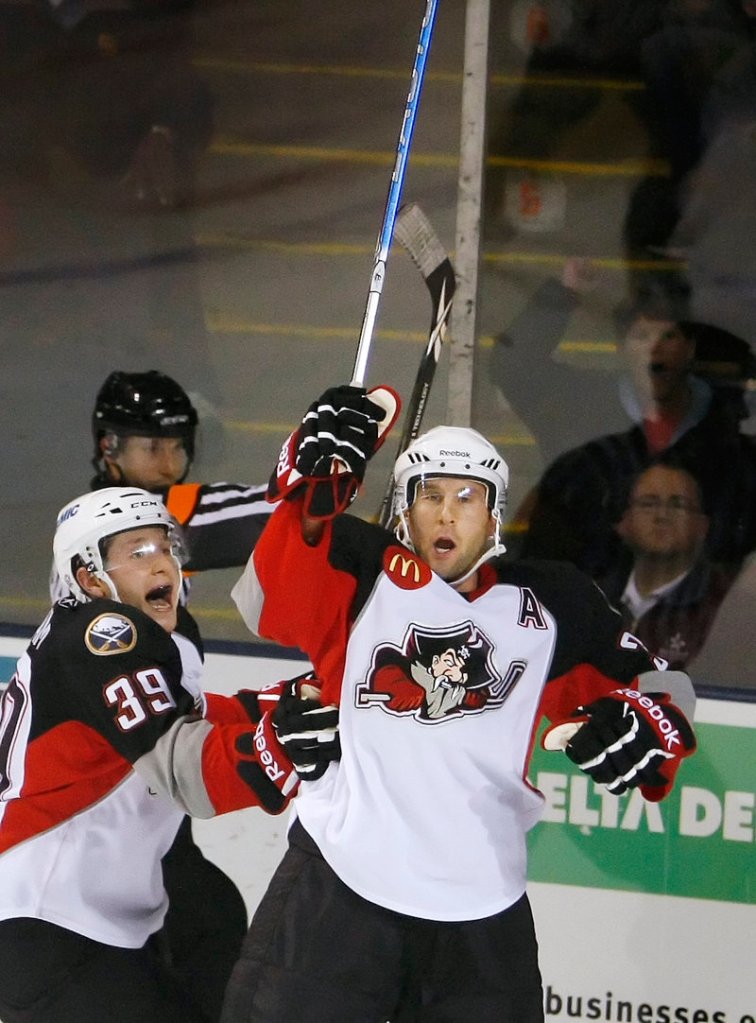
<point x="441" y="695"/>
<point x="99" y="872"/>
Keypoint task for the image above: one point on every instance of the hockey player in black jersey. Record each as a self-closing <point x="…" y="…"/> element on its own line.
<point x="106" y="743"/>
<point x="402" y="895"/>
<point x="144" y="429"/>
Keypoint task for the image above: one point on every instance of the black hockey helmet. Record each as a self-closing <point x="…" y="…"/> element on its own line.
<point x="147" y="404"/>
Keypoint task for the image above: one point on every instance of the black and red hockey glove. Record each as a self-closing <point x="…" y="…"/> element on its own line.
<point x="627" y="739"/>
<point x="256" y="702"/>
<point x="264" y="766"/>
<point x="328" y="454"/>
<point x="308" y="731"/>
<point x="246" y="705"/>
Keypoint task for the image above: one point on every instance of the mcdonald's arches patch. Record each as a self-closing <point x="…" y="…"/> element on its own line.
<point x="405" y="569"/>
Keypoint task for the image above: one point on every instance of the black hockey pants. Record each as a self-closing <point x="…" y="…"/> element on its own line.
<point x="318" y="953"/>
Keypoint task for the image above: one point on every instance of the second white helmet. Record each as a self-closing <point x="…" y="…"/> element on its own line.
<point x="86" y="521"/>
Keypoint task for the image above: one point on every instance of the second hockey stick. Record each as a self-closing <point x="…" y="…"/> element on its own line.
<point x="383" y="244"/>
<point x="414" y="231"/>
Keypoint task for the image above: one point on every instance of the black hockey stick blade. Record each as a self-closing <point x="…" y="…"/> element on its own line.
<point x="414" y="231"/>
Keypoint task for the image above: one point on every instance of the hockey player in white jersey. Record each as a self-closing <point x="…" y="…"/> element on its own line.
<point x="106" y="742"/>
<point x="402" y="895"/>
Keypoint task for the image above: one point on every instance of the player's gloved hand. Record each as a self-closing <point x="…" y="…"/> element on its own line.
<point x="265" y="767"/>
<point x="329" y="452"/>
<point x="341" y="426"/>
<point x="256" y="702"/>
<point x="308" y="731"/>
<point x="625" y="740"/>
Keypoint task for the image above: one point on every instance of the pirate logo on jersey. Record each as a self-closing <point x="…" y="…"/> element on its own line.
<point x="110" y="634"/>
<point x="437" y="674"/>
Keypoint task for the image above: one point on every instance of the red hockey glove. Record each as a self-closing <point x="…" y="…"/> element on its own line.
<point x="627" y="739"/>
<point x="264" y="766"/>
<point x="244" y="706"/>
<point x="329" y="452"/>
<point x="257" y="702"/>
<point x="308" y="731"/>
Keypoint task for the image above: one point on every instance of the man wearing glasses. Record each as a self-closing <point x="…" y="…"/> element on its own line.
<point x="672" y="592"/>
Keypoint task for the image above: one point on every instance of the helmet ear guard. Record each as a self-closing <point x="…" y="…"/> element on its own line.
<point x="457" y="452"/>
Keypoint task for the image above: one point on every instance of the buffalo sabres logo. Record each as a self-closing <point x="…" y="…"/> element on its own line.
<point x="437" y="674"/>
<point x="110" y="634"/>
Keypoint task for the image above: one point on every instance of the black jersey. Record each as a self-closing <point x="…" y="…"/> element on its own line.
<point x="104" y="746"/>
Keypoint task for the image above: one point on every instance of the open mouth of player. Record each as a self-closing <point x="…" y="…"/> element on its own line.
<point x="159" y="598"/>
<point x="443" y="545"/>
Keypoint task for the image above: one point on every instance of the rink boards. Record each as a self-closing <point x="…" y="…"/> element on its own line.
<point x="645" y="912"/>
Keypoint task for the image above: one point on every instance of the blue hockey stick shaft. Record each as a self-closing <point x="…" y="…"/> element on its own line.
<point x="398" y="174"/>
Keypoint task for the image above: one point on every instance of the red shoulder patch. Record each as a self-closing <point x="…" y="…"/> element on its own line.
<point x="405" y="569"/>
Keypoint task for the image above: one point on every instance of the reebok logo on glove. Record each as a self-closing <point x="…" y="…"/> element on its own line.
<point x="285" y="474"/>
<point x="284" y="462"/>
<point x="265" y="757"/>
<point x="263" y="765"/>
<point x="669" y="732"/>
<point x="626" y="739"/>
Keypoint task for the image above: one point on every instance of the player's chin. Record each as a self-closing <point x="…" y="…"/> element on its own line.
<point x="448" y="569"/>
<point x="163" y="614"/>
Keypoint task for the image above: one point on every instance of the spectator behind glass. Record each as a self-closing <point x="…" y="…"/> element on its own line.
<point x="563" y="405"/>
<point x="579" y="499"/>
<point x="718" y="202"/>
<point x="672" y="592"/>
<point x="104" y="118"/>
<point x="582" y="40"/>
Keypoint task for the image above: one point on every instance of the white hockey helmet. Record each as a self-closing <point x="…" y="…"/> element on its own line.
<point x="88" y="520"/>
<point x="454" y="451"/>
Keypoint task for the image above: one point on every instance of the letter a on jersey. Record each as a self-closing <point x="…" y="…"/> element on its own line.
<point x="531" y="612"/>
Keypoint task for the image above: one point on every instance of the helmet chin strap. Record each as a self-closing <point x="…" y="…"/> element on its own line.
<point x="402" y="534"/>
<point x="496" y="548"/>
